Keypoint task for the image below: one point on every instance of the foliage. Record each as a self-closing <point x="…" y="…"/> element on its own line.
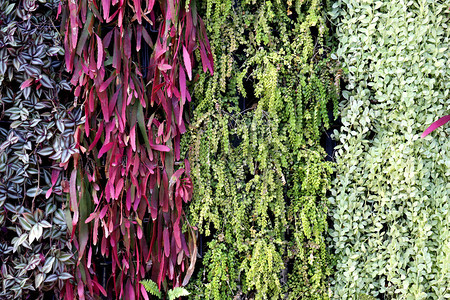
<point x="152" y="288"/>
<point x="131" y="61"/>
<point x="258" y="168"/>
<point x="390" y="199"/>
<point x="36" y="138"/>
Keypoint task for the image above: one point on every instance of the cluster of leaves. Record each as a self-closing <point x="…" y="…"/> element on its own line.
<point x="390" y="200"/>
<point x="131" y="61"/>
<point x="152" y="288"/>
<point x="37" y="126"/>
<point x="259" y="171"/>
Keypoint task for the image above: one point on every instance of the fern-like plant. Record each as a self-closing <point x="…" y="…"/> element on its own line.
<point x="152" y="288"/>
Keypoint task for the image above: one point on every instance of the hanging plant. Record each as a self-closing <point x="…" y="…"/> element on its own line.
<point x="37" y="124"/>
<point x="131" y="62"/>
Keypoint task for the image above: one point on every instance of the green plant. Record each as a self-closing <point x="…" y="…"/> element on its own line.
<point x="390" y="199"/>
<point x="172" y="294"/>
<point x="259" y="171"/>
<point x="37" y="124"/>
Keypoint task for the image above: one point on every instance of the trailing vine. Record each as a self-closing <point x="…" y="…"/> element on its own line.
<point x="259" y="171"/>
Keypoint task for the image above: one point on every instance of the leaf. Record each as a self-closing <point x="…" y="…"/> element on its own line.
<point x="166" y="242"/>
<point x="435" y="125"/>
<point x="164" y="67"/>
<point x="187" y="62"/>
<point x="106" y="83"/>
<point x="99" y="52"/>
<point x="177" y="293"/>
<point x="151" y="287"/>
<point x="105" y="148"/>
<point x="26" y="83"/>
<point x="162" y="148"/>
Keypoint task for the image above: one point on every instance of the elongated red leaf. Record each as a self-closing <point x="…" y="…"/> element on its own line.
<point x="436" y="125"/>
<point x="105" y="149"/>
<point x="106" y="5"/>
<point x="97" y="136"/>
<point x="166" y="242"/>
<point x="162" y="148"/>
<point x="187" y="62"/>
<point x="106" y="83"/>
<point x="99" y="52"/>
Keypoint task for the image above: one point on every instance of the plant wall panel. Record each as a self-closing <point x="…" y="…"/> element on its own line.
<point x="258" y="168"/>
<point x="37" y="125"/>
<point x="390" y="199"/>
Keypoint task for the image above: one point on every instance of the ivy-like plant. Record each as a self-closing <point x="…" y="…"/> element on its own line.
<point x="37" y="125"/>
<point x="259" y="171"/>
<point x="131" y="61"/>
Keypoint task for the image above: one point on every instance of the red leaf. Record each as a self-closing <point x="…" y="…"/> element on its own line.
<point x="26" y="83"/>
<point x="99" y="287"/>
<point x="161" y="148"/>
<point x="106" y="4"/>
<point x="137" y="7"/>
<point x="97" y="136"/>
<point x="105" y="149"/>
<point x="143" y="292"/>
<point x="187" y="62"/>
<point x="164" y="67"/>
<point x="182" y="79"/>
<point x="106" y="83"/>
<point x="73" y="197"/>
<point x="99" y="52"/>
<point x="166" y="242"/>
<point x="436" y="125"/>
<point x="133" y="137"/>
<point x="127" y="41"/>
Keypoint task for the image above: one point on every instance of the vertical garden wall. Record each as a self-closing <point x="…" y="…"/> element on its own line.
<point x="390" y="198"/>
<point x="181" y="143"/>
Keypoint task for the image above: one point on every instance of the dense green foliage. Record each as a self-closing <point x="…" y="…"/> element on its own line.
<point x="391" y="195"/>
<point x="259" y="171"/>
<point x="36" y="138"/>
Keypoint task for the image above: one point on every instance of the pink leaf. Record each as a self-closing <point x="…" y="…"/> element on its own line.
<point x="133" y="137"/>
<point x="105" y="149"/>
<point x="106" y="4"/>
<point x="100" y="288"/>
<point x="73" y="196"/>
<point x="97" y="136"/>
<point x="164" y="67"/>
<point x="26" y="83"/>
<point x="137" y="7"/>
<point x="166" y="242"/>
<point x="187" y="62"/>
<point x="99" y="52"/>
<point x="106" y="83"/>
<point x="435" y="125"/>
<point x="162" y="148"/>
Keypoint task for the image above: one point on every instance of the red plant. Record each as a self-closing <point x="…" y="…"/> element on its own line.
<point x="134" y="102"/>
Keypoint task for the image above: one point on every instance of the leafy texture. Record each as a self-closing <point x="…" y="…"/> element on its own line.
<point x="390" y="199"/>
<point x="130" y="61"/>
<point x="258" y="168"/>
<point x="37" y="125"/>
<point x="151" y="287"/>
